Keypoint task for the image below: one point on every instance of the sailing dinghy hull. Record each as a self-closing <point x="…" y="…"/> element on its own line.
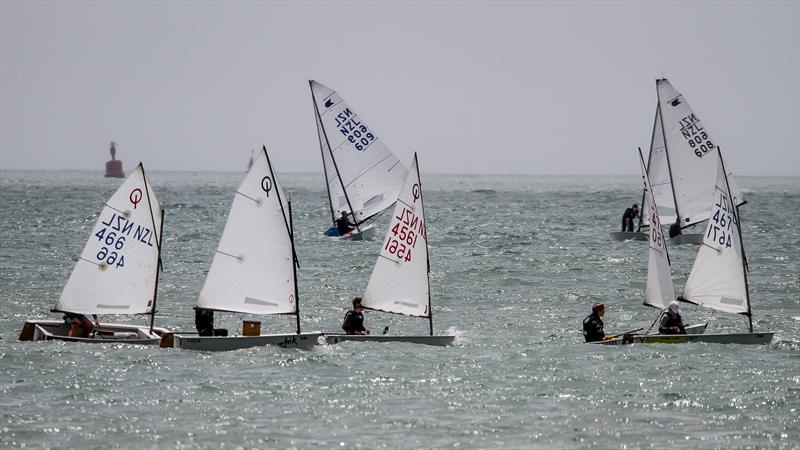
<point x="367" y="233"/>
<point x="426" y="340"/>
<point x="681" y="239"/>
<point x="303" y="341"/>
<point x="628" y="236"/>
<point x="109" y="333"/>
<point x="736" y="338"/>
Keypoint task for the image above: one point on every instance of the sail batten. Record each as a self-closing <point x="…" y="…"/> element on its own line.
<point x="363" y="176"/>
<point x="252" y="270"/>
<point x="116" y="271"/>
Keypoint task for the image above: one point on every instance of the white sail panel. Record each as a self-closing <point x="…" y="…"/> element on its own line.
<point x="692" y="156"/>
<point x="372" y="176"/>
<point x="116" y="272"/>
<point x="717" y="277"/>
<point x="399" y="282"/>
<point x="252" y="269"/>
<point x="336" y="195"/>
<point x="660" y="289"/>
<point x="660" y="181"/>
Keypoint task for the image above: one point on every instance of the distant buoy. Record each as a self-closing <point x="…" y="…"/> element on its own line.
<point x="114" y="167"/>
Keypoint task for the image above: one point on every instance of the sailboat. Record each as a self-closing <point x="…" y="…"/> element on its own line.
<point x="254" y="270"/>
<point x="682" y="173"/>
<point x="400" y="281"/>
<point x="117" y="272"/>
<point x="362" y="176"/>
<point x="718" y="279"/>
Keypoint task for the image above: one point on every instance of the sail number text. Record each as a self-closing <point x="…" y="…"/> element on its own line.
<point x="354" y="130"/>
<point x="115" y="234"/>
<point x="406" y="229"/>
<point x="656" y="235"/>
<point x="719" y="225"/>
<point x="695" y="135"/>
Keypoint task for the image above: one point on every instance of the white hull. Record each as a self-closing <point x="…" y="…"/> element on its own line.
<point x="427" y="340"/>
<point x="367" y="233"/>
<point x="686" y="239"/>
<point x="736" y="338"/>
<point x="226" y="343"/>
<point x="56" y="330"/>
<point x="628" y="235"/>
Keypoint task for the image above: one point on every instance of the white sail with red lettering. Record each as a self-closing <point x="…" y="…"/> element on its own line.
<point x="399" y="282"/>
<point x="660" y="289"/>
<point x="252" y="270"/>
<point x="361" y="171"/>
<point x="116" y="272"/>
<point x="692" y="156"/>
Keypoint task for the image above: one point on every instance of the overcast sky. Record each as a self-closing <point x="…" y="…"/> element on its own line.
<point x="473" y="87"/>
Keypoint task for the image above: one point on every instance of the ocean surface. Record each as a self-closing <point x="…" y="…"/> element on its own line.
<point x="517" y="262"/>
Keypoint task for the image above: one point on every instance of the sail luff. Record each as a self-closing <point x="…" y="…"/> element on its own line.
<point x="666" y="151"/>
<point x="335" y="166"/>
<point x="741" y="242"/>
<point x="320" y="132"/>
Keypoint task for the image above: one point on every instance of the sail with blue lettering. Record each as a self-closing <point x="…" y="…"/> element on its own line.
<point x="116" y="272"/>
<point x="691" y="153"/>
<point x="659" y="177"/>
<point x="362" y="175"/>
<point x="717" y="279"/>
<point x="252" y="270"/>
<point x="399" y="282"/>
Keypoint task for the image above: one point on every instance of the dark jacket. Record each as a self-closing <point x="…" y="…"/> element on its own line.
<point x="343" y="226"/>
<point x="674" y="230"/>
<point x="593" y="328"/>
<point x="204" y="321"/>
<point x="670" y="321"/>
<point x="630" y="213"/>
<point x="353" y="322"/>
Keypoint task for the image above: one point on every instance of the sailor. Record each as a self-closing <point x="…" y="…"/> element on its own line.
<point x="80" y="325"/>
<point x="204" y="322"/>
<point x="353" y="322"/>
<point x="672" y="323"/>
<point x="675" y="228"/>
<point x="593" y="324"/>
<point x="343" y="225"/>
<point x="629" y="216"/>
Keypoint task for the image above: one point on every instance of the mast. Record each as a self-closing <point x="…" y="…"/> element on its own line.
<point x="159" y="267"/>
<point x="335" y="166"/>
<point x="649" y="158"/>
<point x="741" y="242"/>
<point x="290" y="231"/>
<point x="322" y="152"/>
<point x="644" y="194"/>
<point x="666" y="151"/>
<point x="427" y="250"/>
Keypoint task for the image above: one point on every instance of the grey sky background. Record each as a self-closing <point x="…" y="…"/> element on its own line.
<point x="473" y="87"/>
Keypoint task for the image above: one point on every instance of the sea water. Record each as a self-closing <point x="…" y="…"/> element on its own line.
<point x="516" y="263"/>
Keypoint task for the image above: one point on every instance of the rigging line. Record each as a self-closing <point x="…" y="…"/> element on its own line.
<point x="88" y="261"/>
<point x="115" y="209"/>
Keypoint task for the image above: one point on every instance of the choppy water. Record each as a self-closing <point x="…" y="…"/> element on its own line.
<point x="516" y="261"/>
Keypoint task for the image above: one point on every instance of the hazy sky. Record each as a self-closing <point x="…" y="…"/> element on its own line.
<point x="473" y="87"/>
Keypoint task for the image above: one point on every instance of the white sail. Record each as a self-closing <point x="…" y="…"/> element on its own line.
<point x="692" y="156"/>
<point x="660" y="181"/>
<point x="399" y="282"/>
<point x="362" y="165"/>
<point x="116" y="272"/>
<point x="252" y="269"/>
<point x="660" y="290"/>
<point x="717" y="277"/>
